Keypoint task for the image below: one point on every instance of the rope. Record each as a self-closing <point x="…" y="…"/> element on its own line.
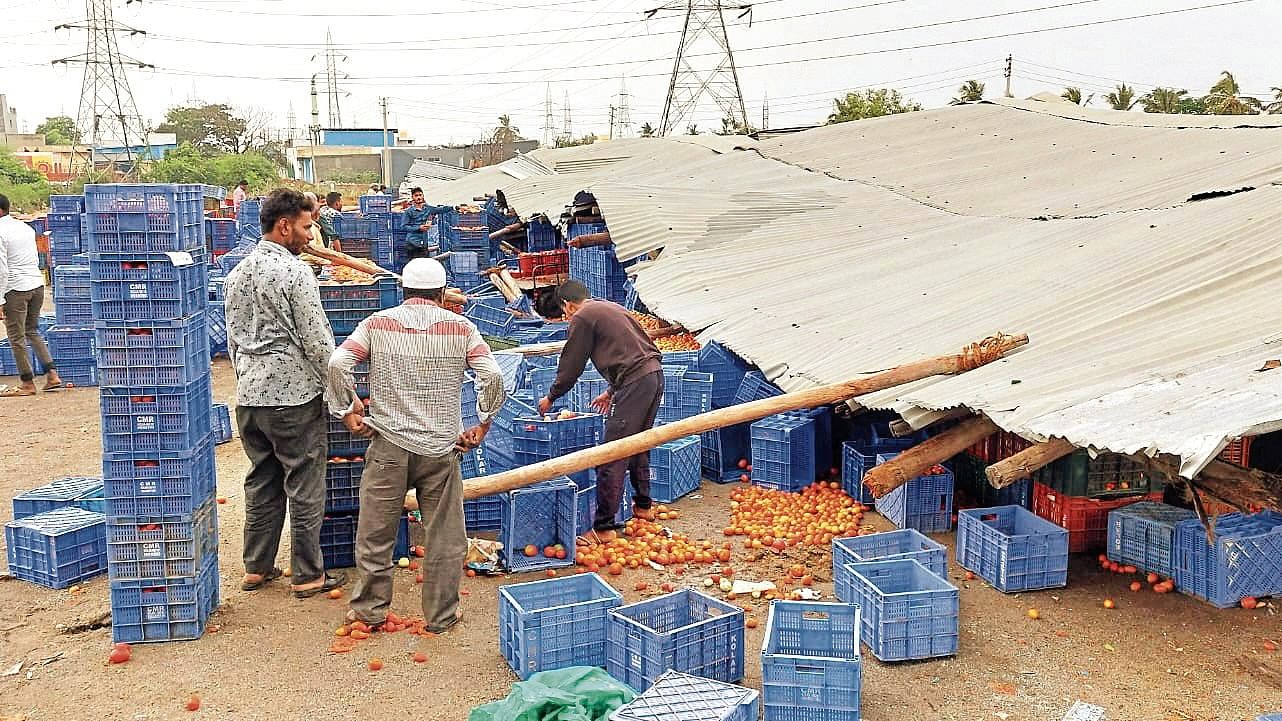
<point x="984" y="352"/>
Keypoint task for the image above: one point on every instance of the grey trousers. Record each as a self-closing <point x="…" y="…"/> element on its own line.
<point x="286" y="449"/>
<point x="391" y="472"/>
<point x="22" y="325"/>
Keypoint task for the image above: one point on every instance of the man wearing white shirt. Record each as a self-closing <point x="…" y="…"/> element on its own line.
<point x="23" y="287"/>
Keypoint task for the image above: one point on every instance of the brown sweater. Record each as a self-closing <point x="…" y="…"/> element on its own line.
<point x="612" y="338"/>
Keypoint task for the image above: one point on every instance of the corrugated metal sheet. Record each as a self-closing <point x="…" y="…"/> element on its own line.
<point x="1031" y="159"/>
<point x="1147" y="326"/>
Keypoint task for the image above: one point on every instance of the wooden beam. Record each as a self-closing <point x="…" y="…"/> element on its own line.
<point x="591" y="240"/>
<point x="1021" y="465"/>
<point x="901" y="428"/>
<point x="1233" y="484"/>
<point x="971" y="357"/>
<point x="917" y="460"/>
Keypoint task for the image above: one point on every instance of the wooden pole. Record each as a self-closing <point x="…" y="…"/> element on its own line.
<point x="1241" y="487"/>
<point x="917" y="460"/>
<point x="338" y="258"/>
<point x="973" y="356"/>
<point x="1021" y="465"/>
<point x="590" y="240"/>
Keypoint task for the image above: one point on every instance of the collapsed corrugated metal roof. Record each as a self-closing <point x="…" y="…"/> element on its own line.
<point x="1149" y="321"/>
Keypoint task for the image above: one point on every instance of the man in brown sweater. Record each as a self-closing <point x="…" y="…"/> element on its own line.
<point x="626" y="357"/>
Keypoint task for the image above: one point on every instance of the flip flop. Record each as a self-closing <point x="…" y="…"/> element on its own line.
<point x="332" y="581"/>
<point x="267" y="578"/>
<point x="53" y="386"/>
<point x="645" y="514"/>
<point x="592" y="538"/>
<point x="15" y="392"/>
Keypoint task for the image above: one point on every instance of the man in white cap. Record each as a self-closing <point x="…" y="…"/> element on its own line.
<point x="418" y="353"/>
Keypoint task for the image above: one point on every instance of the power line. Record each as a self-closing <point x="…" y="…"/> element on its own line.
<point x="422" y="13"/>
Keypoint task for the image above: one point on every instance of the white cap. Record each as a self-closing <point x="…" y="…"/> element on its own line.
<point x="423" y="274"/>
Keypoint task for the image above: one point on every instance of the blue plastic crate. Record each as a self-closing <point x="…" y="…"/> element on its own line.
<point x="381" y="203"/>
<point x="855" y="461"/>
<point x="148" y="418"/>
<point x="688" y="359"/>
<point x="727" y="372"/>
<point x="154" y="548"/>
<point x="1012" y="548"/>
<point x="158" y="483"/>
<point x="220" y="423"/>
<point x="347" y="305"/>
<point x="144" y="198"/>
<point x="537" y="440"/>
<point x="341" y="442"/>
<point x="677" y="696"/>
<point x="78" y="374"/>
<point x="811" y="668"/>
<point x="484" y="513"/>
<point x="588" y="387"/>
<point x="72" y="283"/>
<point x="880" y="437"/>
<point x="247" y="215"/>
<point x="1143" y="535"/>
<point x="908" y="612"/>
<point x="144" y="232"/>
<point x="541" y="515"/>
<point x="153" y="353"/>
<point x="674" y="469"/>
<point x="67" y="204"/>
<point x="540" y="236"/>
<point x="586" y="504"/>
<point x="823" y="437"/>
<point x="577" y="229"/>
<point x="338" y="540"/>
<point x="685" y="393"/>
<point x="755" y="387"/>
<point x="885" y="546"/>
<point x="722" y="449"/>
<point x="1270" y="717"/>
<point x="74" y="312"/>
<point x="59" y="493"/>
<point x="1246" y="559"/>
<point x="71" y="344"/>
<point x="93" y="499"/>
<point x="491" y="321"/>
<point x="783" y="452"/>
<point x="56" y="548"/>
<point x="216" y="326"/>
<point x="555" y="623"/>
<point x="147" y="286"/>
<point x="683" y="631"/>
<point x="499" y="444"/>
<point x="924" y="503"/>
<point x="598" y="268"/>
<point x="175" y="609"/>
<point x="343" y="485"/>
<point x="220" y="234"/>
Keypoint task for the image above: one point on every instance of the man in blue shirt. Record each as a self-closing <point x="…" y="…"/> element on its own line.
<point x="417" y="221"/>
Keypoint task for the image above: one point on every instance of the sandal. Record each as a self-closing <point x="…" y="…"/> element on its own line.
<point x="53" y="386"/>
<point x="595" y="538"/>
<point x="15" y="392"/>
<point x="332" y="581"/>
<point x="645" y="514"/>
<point x="265" y="579"/>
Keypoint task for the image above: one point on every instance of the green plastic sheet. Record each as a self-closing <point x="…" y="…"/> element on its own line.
<point x="579" y="693"/>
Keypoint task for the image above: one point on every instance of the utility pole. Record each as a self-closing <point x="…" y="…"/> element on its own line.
<point x="547" y="117"/>
<point x="765" y="112"/>
<point x="313" y="135"/>
<point x="1010" y="59"/>
<point x="611" y="122"/>
<point x="387" y="171"/>
<point x="107" y="108"/>
<point x="703" y="19"/>
<point x="568" y="128"/>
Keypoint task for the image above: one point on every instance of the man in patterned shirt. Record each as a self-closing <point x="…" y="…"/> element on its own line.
<point x="418" y="353"/>
<point x="279" y="342"/>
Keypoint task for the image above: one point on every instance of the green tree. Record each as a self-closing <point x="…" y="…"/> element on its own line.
<point x="218" y="128"/>
<point x="730" y="126"/>
<point x="574" y="142"/>
<point x="969" y="92"/>
<point x="1226" y="98"/>
<point x="1121" y="98"/>
<point x="692" y="129"/>
<point x="187" y="164"/>
<point x="1275" y="106"/>
<point x="1074" y="95"/>
<point x="26" y="189"/>
<point x="1163" y="100"/>
<point x="647" y="130"/>
<point x="59" y="130"/>
<point x="870" y="103"/>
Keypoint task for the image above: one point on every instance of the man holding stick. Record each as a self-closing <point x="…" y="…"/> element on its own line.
<point x="629" y="360"/>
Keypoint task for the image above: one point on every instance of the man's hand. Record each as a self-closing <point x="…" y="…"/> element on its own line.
<point x="1" y="313"/>
<point x="471" y="438"/>
<point x="602" y="403"/>
<point x="545" y="405"/>
<point x="423" y="228"/>
<point x="354" y="421"/>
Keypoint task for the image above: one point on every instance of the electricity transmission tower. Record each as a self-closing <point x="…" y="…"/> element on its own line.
<point x="547" y="117"/>
<point x="704" y="20"/>
<point x="332" y="57"/>
<point x="623" y="118"/>
<point x="567" y="128"/>
<point x="107" y="109"/>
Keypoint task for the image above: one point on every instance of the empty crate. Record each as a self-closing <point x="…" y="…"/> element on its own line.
<point x="885" y="546"/>
<point x="908" y="612"/>
<point x="677" y="696"/>
<point x="555" y="623"/>
<point x="1012" y="548"/>
<point x="56" y="548"/>
<point x="810" y="663"/>
<point x="674" y="469"/>
<point x="683" y="631"/>
<point x="1245" y="560"/>
<point x="783" y="452"/>
<point x="60" y="493"/>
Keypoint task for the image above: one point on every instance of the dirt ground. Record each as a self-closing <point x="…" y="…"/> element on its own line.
<point x="1155" y="657"/>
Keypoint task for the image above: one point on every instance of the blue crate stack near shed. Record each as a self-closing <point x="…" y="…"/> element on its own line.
<point x="924" y="503"/>
<point x="885" y="546"/>
<point x="220" y="235"/>
<point x="1243" y="561"/>
<point x="367" y="236"/>
<point x="247" y="223"/>
<point x="783" y="452"/>
<point x="599" y="270"/>
<point x="1143" y="535"/>
<point x="149" y="280"/>
<point x="64" y="228"/>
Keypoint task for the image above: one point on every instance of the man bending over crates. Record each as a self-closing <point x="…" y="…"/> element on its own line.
<point x="279" y="342"/>
<point x="418" y="353"/>
<point x="629" y="360"/>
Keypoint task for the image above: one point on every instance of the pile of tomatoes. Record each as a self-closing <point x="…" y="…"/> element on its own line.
<point x="779" y="520"/>
<point x="678" y="342"/>
<point x="644" y="542"/>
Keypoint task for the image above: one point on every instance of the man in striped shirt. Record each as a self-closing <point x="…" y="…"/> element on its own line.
<point x="418" y="353"/>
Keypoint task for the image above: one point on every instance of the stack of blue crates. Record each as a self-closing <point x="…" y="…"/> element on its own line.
<point x="540" y="235"/>
<point x="56" y="548"/>
<point x="924" y="503"/>
<point x="247" y="223"/>
<point x="599" y="270"/>
<point x="81" y="491"/>
<point x="220" y="235"/>
<point x="148" y="273"/>
<point x="783" y="452"/>
<point x="64" y="228"/>
<point x="72" y="349"/>
<point x="464" y="267"/>
<point x="367" y="236"/>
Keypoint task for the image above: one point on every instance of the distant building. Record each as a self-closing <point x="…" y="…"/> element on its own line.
<point x="322" y="162"/>
<point x="8" y="117"/>
<point x="357" y="137"/>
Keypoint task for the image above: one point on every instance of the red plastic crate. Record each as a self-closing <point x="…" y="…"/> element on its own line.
<point x="548" y="262"/>
<point x="1085" y="519"/>
<point x="998" y="446"/>
<point x="1238" y="451"/>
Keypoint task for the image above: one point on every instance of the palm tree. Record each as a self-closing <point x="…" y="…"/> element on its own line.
<point x="647" y="131"/>
<point x="1123" y="98"/>
<point x="969" y="92"/>
<point x="1163" y="100"/>
<point x="1275" y="106"/>
<point x="1225" y="98"/>
<point x="1074" y="96"/>
<point x="692" y="129"/>
<point x="505" y="132"/>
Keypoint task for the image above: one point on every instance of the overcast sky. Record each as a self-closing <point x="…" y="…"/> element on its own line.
<point x="450" y="67"/>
